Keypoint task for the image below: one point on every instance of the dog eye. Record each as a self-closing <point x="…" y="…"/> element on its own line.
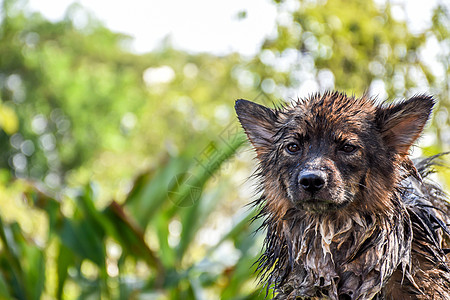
<point x="348" y="148"/>
<point x="292" y="148"/>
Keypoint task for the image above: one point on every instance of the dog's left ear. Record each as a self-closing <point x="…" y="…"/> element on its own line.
<point x="401" y="124"/>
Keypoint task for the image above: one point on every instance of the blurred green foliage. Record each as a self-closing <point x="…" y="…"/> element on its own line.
<point x="121" y="175"/>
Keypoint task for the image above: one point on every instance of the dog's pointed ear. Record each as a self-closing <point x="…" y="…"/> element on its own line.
<point x="401" y="124"/>
<point x="258" y="122"/>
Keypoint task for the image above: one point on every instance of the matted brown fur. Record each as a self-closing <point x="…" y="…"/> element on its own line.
<point x="347" y="213"/>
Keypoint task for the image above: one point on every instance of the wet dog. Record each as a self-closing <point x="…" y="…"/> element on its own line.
<point x="348" y="214"/>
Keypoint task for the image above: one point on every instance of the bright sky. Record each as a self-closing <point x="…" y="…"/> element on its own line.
<point x="196" y="25"/>
<point x="205" y="25"/>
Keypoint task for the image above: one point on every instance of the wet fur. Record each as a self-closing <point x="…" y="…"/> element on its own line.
<point x="376" y="230"/>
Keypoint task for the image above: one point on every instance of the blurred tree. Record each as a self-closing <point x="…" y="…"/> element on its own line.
<point x="79" y="111"/>
<point x="60" y="81"/>
<point x="358" y="47"/>
<point x="80" y="97"/>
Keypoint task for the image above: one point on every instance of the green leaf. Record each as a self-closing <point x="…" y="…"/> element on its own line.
<point x="10" y="258"/>
<point x="82" y="239"/>
<point x="194" y="217"/>
<point x="150" y="190"/>
<point x="205" y="169"/>
<point x="25" y="261"/>
<point x="4" y="293"/>
<point x="130" y="236"/>
<point x="8" y="119"/>
<point x="65" y="258"/>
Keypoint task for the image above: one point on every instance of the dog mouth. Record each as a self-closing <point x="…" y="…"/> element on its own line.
<point x="320" y="205"/>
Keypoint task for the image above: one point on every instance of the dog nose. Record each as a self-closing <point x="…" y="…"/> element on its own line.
<point x="312" y="181"/>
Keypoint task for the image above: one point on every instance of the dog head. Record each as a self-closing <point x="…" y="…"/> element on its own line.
<point x="330" y="152"/>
